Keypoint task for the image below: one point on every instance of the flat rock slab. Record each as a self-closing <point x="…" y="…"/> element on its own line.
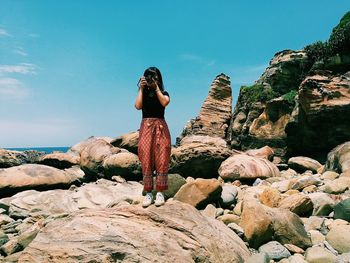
<point x="174" y="232"/>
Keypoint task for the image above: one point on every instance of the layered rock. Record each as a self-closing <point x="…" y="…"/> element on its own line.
<point x="215" y="113"/>
<point x="175" y="232"/>
<point x="320" y="120"/>
<point x="9" y="158"/>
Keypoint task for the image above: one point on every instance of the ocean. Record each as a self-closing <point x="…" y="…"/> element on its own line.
<point x="41" y="149"/>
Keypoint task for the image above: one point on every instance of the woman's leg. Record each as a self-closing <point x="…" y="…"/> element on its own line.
<point x="162" y="157"/>
<point x="145" y="155"/>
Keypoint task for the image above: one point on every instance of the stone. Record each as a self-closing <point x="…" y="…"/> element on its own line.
<point x="132" y="233"/>
<point x="199" y="192"/>
<point x="275" y="250"/>
<point x="342" y="210"/>
<point x="339" y="238"/>
<point x="319" y="255"/>
<point x="128" y="141"/>
<point x="302" y="163"/>
<point x="242" y="166"/>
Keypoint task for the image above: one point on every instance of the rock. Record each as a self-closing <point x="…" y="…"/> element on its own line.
<point x="337" y="186"/>
<point x="258" y="258"/>
<point x="210" y="211"/>
<point x="59" y="160"/>
<point x="175" y="181"/>
<point x="237" y="229"/>
<point x="274" y="250"/>
<point x="128" y="141"/>
<point x="283" y="186"/>
<point x="319" y="255"/>
<point x="125" y="164"/>
<point x="297" y="258"/>
<point x="206" y="139"/>
<point x="198" y="160"/>
<point x="79" y="147"/>
<point x="330" y="175"/>
<point x="261" y="223"/>
<point x="320" y="120"/>
<point x="199" y="192"/>
<point x="338" y="159"/>
<point x="36" y="176"/>
<point x="133" y="233"/>
<point x="298" y="203"/>
<point x="316" y="237"/>
<point x="215" y="113"/>
<point x="228" y="195"/>
<point x="10" y="158"/>
<point x="229" y="218"/>
<point x="339" y="238"/>
<point x="270" y="197"/>
<point x="305" y="181"/>
<point x="302" y="163"/>
<point x="93" y="155"/>
<point x="101" y="193"/>
<point x="343" y="258"/>
<point x="264" y="152"/>
<point x="294" y="249"/>
<point x="322" y="204"/>
<point x="342" y="210"/>
<point x="242" y="166"/>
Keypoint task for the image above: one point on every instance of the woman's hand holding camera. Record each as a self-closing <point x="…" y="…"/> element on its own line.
<point x="143" y="82"/>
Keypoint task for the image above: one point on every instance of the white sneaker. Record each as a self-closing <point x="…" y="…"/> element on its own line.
<point x="159" y="199"/>
<point x="147" y="200"/>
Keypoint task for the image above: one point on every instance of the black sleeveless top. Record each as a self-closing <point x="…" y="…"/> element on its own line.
<point x="151" y="107"/>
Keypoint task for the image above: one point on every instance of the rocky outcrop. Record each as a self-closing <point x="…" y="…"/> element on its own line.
<point x="320" y="120"/>
<point x="59" y="160"/>
<point x="175" y="232"/>
<point x="215" y="113"/>
<point x="338" y="159"/>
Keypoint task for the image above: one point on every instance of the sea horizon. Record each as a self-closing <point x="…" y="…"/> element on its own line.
<point x="40" y="149"/>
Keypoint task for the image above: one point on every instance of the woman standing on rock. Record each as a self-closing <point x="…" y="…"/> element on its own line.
<point x="154" y="145"/>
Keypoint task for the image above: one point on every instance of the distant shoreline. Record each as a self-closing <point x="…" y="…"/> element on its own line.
<point x="40" y="149"/>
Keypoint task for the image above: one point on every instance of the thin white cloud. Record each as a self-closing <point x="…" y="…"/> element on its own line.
<point x="3" y="32"/>
<point x="246" y="75"/>
<point x="11" y="88"/>
<point x="23" y="68"/>
<point x="20" y="51"/>
<point x="198" y="59"/>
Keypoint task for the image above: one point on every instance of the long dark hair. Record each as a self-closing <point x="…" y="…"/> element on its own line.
<point x="155" y="71"/>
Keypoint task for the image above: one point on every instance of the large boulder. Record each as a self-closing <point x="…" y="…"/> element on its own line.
<point x="198" y="159"/>
<point x="37" y="176"/>
<point x="243" y="166"/>
<point x="262" y="224"/>
<point x="60" y="160"/>
<point x="174" y="232"/>
<point x="199" y="192"/>
<point x="128" y="141"/>
<point x="93" y="155"/>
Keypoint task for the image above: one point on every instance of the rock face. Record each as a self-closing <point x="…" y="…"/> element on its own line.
<point x="175" y="232"/>
<point x="215" y="114"/>
<point x="60" y="160"/>
<point x="36" y="176"/>
<point x="261" y="122"/>
<point x="320" y="120"/>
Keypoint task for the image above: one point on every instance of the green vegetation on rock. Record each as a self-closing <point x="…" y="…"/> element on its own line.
<point x="257" y="92"/>
<point x="338" y="42"/>
<point x="290" y="96"/>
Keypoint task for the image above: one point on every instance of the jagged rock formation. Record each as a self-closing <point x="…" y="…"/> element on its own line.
<point x="215" y="114"/>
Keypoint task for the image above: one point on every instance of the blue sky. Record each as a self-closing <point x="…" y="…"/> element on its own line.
<point x="69" y="68"/>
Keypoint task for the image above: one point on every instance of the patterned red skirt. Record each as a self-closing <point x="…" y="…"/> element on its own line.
<point x="154" y="150"/>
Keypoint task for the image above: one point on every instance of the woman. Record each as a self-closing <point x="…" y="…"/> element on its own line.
<point x="154" y="146"/>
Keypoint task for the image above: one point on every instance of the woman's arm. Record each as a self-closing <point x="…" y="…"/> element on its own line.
<point x="138" y="102"/>
<point x="163" y="99"/>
